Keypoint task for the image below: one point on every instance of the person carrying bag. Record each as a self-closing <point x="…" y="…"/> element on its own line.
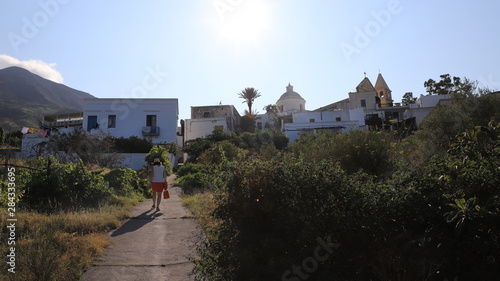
<point x="158" y="180"/>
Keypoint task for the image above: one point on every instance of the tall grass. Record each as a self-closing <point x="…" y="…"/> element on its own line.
<point x="202" y="205"/>
<point x="60" y="246"/>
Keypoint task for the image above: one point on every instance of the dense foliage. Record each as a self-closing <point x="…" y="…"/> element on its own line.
<point x="51" y="186"/>
<point x="132" y="144"/>
<point x="433" y="225"/>
<point x="359" y="206"/>
<point x="160" y="152"/>
<point x="359" y="150"/>
<point x="253" y="142"/>
<point x="125" y="182"/>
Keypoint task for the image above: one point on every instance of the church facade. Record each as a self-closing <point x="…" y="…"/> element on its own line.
<point x="356" y="112"/>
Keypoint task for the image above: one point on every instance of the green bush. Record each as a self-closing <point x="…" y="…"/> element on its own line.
<point x="359" y="150"/>
<point x="220" y="152"/>
<point x="197" y="177"/>
<point x="56" y="186"/>
<point x="126" y="182"/>
<point x="272" y="213"/>
<point x="133" y="144"/>
<point x="441" y="222"/>
<point x="161" y="153"/>
<point x="191" y="168"/>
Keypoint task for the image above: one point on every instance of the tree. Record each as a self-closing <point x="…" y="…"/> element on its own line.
<point x="78" y="144"/>
<point x="161" y="153"/>
<point x="249" y="95"/>
<point x="271" y="109"/>
<point x="247" y="124"/>
<point x="448" y="85"/>
<point x="408" y="98"/>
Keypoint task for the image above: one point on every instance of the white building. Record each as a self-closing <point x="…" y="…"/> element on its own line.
<point x="150" y="118"/>
<point x="205" y="119"/>
<point x="423" y="106"/>
<point x="312" y="122"/>
<point x="342" y="117"/>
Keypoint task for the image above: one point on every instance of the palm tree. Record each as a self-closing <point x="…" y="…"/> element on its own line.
<point x="271" y="109"/>
<point x="249" y="95"/>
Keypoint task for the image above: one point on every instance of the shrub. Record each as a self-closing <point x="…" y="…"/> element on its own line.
<point x="437" y="223"/>
<point x="133" y="144"/>
<point x="197" y="177"/>
<point x="125" y="182"/>
<point x="64" y="186"/>
<point x="161" y="153"/>
<point x="221" y="152"/>
<point x="272" y="213"/>
<point x="369" y="151"/>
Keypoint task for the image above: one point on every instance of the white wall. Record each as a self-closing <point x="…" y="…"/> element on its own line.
<point x="430" y="101"/>
<point x="199" y="128"/>
<point x="131" y="116"/>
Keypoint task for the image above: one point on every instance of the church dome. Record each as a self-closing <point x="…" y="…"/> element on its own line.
<point x="291" y="101"/>
<point x="290" y="94"/>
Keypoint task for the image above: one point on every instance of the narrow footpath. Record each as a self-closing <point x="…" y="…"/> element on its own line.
<point x="151" y="245"/>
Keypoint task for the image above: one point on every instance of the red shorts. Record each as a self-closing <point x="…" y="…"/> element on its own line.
<point x="158" y="186"/>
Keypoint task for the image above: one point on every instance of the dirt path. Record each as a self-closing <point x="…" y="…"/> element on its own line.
<point x="151" y="245"/>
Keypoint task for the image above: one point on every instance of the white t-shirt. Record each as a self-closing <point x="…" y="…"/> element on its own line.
<point x="158" y="172"/>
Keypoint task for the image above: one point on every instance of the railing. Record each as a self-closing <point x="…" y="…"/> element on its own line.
<point x="151" y="131"/>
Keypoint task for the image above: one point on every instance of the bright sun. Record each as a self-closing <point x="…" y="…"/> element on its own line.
<point x="244" y="24"/>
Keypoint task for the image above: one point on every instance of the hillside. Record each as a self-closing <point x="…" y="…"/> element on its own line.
<point x="26" y="97"/>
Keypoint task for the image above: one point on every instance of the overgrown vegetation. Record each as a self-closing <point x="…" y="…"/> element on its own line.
<point x="426" y="207"/>
<point x="59" y="246"/>
<point x="64" y="211"/>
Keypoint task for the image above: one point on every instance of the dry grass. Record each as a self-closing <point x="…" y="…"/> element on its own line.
<point x="201" y="204"/>
<point x="60" y="246"/>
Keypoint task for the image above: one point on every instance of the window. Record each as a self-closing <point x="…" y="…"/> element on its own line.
<point x="363" y="103"/>
<point x="206" y="114"/>
<point x="151" y="120"/>
<point x="219" y="128"/>
<point x="92" y="122"/>
<point x="338" y="119"/>
<point x="311" y="120"/>
<point x="111" y="121"/>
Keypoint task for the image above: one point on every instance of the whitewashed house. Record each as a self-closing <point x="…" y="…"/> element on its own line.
<point x="341" y="117"/>
<point x="312" y="122"/>
<point x="423" y="106"/>
<point x="205" y="119"/>
<point x="150" y="118"/>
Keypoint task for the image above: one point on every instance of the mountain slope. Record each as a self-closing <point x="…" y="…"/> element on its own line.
<point x="26" y="97"/>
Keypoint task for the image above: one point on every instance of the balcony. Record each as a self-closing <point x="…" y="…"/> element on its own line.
<point x="151" y="131"/>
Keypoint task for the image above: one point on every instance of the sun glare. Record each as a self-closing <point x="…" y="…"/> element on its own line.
<point x="245" y="24"/>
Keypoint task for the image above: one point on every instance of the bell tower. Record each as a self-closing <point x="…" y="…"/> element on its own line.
<point x="383" y="92"/>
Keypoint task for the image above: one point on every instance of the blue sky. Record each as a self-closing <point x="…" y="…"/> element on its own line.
<point x="204" y="52"/>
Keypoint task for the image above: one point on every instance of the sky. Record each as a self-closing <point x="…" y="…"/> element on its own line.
<point x="204" y="52"/>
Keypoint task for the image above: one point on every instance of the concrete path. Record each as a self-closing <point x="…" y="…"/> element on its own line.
<point x="151" y="245"/>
